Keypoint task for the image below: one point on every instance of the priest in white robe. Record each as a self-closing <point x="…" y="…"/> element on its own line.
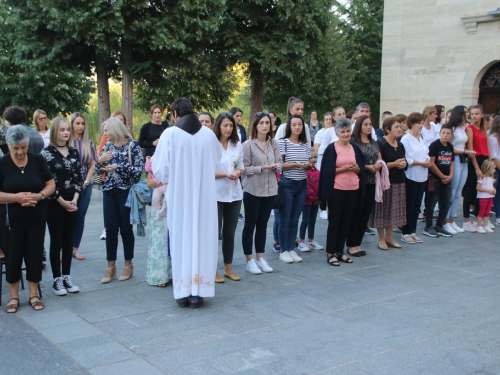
<point x="186" y="158"/>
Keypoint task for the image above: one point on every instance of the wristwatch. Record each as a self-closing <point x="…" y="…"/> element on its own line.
<point x="85" y="182"/>
<point x="43" y="196"/>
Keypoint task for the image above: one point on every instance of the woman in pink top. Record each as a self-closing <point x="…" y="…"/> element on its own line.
<point x="342" y="183"/>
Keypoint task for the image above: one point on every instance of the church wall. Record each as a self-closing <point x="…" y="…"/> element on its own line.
<point x="428" y="56"/>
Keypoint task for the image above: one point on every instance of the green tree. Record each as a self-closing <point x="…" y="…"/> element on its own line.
<point x="280" y="41"/>
<point x="361" y="23"/>
<point x="52" y="88"/>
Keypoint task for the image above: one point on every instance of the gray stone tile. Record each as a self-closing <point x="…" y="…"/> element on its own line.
<point x="47" y="319"/>
<point x="69" y="332"/>
<point x="248" y="359"/>
<point x="12" y="324"/>
<point x="132" y="367"/>
<point x="29" y="353"/>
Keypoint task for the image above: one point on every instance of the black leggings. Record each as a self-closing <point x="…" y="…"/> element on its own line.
<point x="470" y="191"/>
<point x="364" y="208"/>
<point x="228" y="220"/>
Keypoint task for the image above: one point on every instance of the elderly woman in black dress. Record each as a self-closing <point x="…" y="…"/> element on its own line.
<point x="341" y="184"/>
<point x="25" y="182"/>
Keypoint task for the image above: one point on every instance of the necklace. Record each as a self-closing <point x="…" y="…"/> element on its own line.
<point x="23" y="167"/>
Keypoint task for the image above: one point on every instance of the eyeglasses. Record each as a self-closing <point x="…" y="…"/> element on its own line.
<point x="226" y="114"/>
<point x="42" y="118"/>
<point x="262" y="113"/>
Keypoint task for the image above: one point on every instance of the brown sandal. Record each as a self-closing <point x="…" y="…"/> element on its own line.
<point x="36" y="304"/>
<point x="77" y="255"/>
<point x="12" y="307"/>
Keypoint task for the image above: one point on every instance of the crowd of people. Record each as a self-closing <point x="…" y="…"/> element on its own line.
<point x="413" y="167"/>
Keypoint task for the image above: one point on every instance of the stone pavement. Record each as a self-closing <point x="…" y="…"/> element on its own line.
<point x="426" y="309"/>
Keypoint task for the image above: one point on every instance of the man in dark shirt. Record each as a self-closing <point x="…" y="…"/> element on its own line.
<point x="17" y="116"/>
<point x="442" y="167"/>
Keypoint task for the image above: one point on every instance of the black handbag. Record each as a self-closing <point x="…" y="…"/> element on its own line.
<point x="279" y="200"/>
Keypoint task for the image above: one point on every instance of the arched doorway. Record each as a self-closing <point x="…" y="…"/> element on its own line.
<point x="489" y="90"/>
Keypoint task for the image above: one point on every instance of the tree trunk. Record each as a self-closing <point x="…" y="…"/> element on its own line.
<point x="102" y="90"/>
<point x="256" y="94"/>
<point x="127" y="84"/>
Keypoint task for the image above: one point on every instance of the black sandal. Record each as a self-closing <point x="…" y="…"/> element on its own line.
<point x="36" y="305"/>
<point x="331" y="262"/>
<point x="344" y="258"/>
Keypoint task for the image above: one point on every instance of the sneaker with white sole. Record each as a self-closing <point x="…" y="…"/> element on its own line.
<point x="323" y="215"/>
<point x="303" y="246"/>
<point x="285" y="257"/>
<point x="252" y="267"/>
<point x="469" y="227"/>
<point x="70" y="287"/>
<point x="442" y="232"/>
<point x="497" y="221"/>
<point x="491" y="226"/>
<point x="429" y="231"/>
<point x="488" y="230"/>
<point x="480" y="230"/>
<point x="103" y="234"/>
<point x="449" y="228"/>
<point x="263" y="265"/>
<point x="314" y="245"/>
<point x="294" y="256"/>
<point x="456" y="227"/>
<point x="58" y="287"/>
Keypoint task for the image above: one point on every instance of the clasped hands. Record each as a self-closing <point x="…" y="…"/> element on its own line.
<point x="103" y="159"/>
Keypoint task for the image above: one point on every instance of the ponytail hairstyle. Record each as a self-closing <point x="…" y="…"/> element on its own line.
<point x="291" y="102"/>
<point x="480" y="107"/>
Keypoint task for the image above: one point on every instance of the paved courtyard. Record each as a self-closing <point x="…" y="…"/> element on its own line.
<point x="426" y="309"/>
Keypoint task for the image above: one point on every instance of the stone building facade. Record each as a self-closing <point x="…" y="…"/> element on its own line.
<point x="440" y="52"/>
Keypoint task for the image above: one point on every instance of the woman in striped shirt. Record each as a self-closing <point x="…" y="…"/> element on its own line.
<point x="295" y="153"/>
<point x="88" y="157"/>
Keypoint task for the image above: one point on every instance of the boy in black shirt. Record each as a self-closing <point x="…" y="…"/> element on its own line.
<point x="442" y="167"/>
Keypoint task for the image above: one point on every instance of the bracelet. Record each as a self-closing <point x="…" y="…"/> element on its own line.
<point x="43" y="196"/>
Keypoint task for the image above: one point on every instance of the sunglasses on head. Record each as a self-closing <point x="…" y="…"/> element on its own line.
<point x="226" y="114"/>
<point x="265" y="113"/>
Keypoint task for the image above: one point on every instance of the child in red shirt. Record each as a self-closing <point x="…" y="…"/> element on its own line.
<point x="311" y="206"/>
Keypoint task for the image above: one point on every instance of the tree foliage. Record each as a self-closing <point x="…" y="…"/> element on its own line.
<point x="361" y="23"/>
<point x="54" y="88"/>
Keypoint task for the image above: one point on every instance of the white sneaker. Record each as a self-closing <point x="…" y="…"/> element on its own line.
<point x="303" y="246"/>
<point x="263" y="265"/>
<point x="294" y="256"/>
<point x="285" y="257"/>
<point x="456" y="227"/>
<point x="488" y="230"/>
<point x="497" y="221"/>
<point x="480" y="230"/>
<point x="491" y="226"/>
<point x="314" y="245"/>
<point x="469" y="227"/>
<point x="252" y="267"/>
<point x="323" y="215"/>
<point x="449" y="228"/>
<point x="103" y="235"/>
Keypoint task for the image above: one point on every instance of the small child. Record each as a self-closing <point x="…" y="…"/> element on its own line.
<point x="158" y="192"/>
<point x="311" y="206"/>
<point x="485" y="193"/>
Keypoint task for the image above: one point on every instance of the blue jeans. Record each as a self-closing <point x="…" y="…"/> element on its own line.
<point x="83" y="205"/>
<point x="117" y="216"/>
<point x="414" y="194"/>
<point x="309" y="215"/>
<point x="457" y="184"/>
<point x="276" y="224"/>
<point x="295" y="195"/>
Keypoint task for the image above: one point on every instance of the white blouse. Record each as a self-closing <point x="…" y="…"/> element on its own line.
<point x="459" y="139"/>
<point x="415" y="150"/>
<point x="429" y="135"/>
<point x="232" y="159"/>
<point x="494" y="149"/>
<point x="46" y="138"/>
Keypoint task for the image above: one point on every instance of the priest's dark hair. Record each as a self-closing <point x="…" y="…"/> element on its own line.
<point x="234" y="134"/>
<point x="270" y="133"/>
<point x="288" y="129"/>
<point x="182" y="106"/>
<point x="15" y="115"/>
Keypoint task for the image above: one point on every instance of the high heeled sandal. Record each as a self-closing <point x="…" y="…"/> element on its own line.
<point x="124" y="277"/>
<point x="78" y="255"/>
<point x="112" y="275"/>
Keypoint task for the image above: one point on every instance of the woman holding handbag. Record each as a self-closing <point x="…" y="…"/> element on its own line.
<point x="261" y="162"/>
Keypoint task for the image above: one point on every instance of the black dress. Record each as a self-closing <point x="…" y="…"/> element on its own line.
<point x="149" y="133"/>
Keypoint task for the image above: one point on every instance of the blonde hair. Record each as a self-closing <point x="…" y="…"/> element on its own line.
<point x="488" y="168"/>
<point x="118" y="130"/>
<point x="56" y="124"/>
<point x="428" y="110"/>
<point x="313" y="150"/>
<point x="86" y="155"/>
<point x="36" y="115"/>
